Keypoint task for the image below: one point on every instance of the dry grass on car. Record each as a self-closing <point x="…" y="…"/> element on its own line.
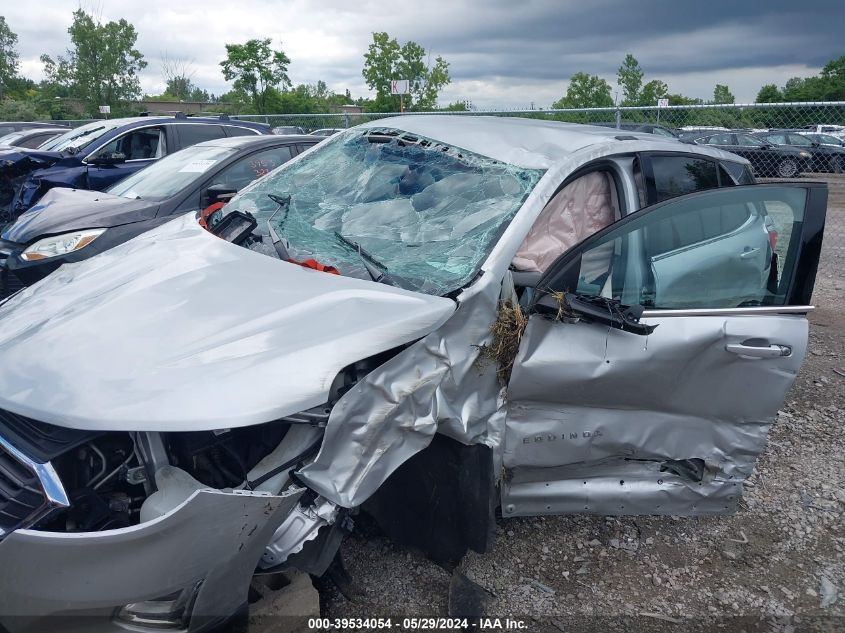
<point x="507" y="330"/>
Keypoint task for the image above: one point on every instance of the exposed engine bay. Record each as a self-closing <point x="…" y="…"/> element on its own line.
<point x="114" y="480"/>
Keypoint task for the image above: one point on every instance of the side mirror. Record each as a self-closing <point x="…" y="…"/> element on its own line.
<point x="112" y="158"/>
<point x="218" y="193"/>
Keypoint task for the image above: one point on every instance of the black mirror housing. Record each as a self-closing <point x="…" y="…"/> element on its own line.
<point x="219" y="193"/>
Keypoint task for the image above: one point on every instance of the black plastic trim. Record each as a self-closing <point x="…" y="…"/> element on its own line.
<point x="40" y="441"/>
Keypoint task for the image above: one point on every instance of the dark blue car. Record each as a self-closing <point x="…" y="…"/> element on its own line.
<point x="98" y="154"/>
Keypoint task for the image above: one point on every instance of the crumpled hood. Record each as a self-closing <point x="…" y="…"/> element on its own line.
<point x="15" y="165"/>
<point x="62" y="210"/>
<point x="11" y="156"/>
<point x="178" y="330"/>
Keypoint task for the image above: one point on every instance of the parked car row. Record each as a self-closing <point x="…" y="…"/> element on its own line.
<point x="98" y="154"/>
<point x="773" y="152"/>
<point x="69" y="225"/>
<point x="425" y="317"/>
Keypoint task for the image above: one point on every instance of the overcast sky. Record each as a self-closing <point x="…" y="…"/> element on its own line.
<point x="502" y="53"/>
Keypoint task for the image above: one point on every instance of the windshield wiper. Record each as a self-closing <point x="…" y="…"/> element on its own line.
<point x="375" y="269"/>
<point x="278" y="243"/>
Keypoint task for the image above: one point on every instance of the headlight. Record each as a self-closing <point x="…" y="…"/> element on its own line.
<point x="804" y="154"/>
<point x="61" y="244"/>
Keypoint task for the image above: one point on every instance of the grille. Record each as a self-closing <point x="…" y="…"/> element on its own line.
<point x="22" y="497"/>
<point x="40" y="441"/>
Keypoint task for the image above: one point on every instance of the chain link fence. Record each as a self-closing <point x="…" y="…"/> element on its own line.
<point x="780" y="140"/>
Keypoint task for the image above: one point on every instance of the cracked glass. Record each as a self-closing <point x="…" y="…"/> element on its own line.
<point x="426" y="213"/>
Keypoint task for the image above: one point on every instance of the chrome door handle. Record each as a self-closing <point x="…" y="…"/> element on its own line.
<point x="750" y="351"/>
<point x="751" y="252"/>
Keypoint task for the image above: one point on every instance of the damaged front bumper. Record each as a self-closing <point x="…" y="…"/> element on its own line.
<point x="186" y="570"/>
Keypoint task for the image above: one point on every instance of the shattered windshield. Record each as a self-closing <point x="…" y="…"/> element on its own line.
<point x="80" y="137"/>
<point x="428" y="213"/>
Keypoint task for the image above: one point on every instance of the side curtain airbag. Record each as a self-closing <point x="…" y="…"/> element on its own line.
<point x="578" y="210"/>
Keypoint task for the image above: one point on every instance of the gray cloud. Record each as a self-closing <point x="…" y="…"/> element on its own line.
<point x="500" y="53"/>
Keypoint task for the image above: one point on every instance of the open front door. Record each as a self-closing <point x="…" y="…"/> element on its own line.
<point x="658" y="352"/>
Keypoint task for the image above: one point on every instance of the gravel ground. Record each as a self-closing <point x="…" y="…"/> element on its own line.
<point x="778" y="564"/>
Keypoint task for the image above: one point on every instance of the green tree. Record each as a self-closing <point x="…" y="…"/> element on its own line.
<point x="8" y="56"/>
<point x="722" y="94"/>
<point x="652" y="91"/>
<point x="630" y="78"/>
<point x="177" y="74"/>
<point x="385" y="60"/>
<point x="102" y="67"/>
<point x="679" y="99"/>
<point x="586" y="91"/>
<point x="769" y="93"/>
<point x="18" y="110"/>
<point x="256" y="68"/>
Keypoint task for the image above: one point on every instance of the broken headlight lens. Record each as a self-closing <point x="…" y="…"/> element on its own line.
<point x="61" y="244"/>
<point x="170" y="612"/>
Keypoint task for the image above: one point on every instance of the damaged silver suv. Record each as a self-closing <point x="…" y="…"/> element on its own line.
<point x="430" y="317"/>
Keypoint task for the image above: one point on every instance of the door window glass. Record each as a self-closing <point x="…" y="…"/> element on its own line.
<point x="777" y="139"/>
<point x="191" y="134"/>
<point x="720" y="139"/>
<point x="730" y="248"/>
<point x="242" y="172"/>
<point x="142" y="144"/>
<point x="797" y="139"/>
<point x="736" y="173"/>
<point x="661" y="132"/>
<point x="748" y="141"/>
<point x="678" y="175"/>
<point x="232" y="130"/>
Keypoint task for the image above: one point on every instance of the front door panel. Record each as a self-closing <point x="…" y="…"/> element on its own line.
<point x="618" y="421"/>
<point x="597" y="415"/>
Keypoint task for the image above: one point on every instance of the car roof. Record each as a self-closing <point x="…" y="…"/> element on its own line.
<point x="531" y="143"/>
<point x="153" y="120"/>
<point x="265" y="139"/>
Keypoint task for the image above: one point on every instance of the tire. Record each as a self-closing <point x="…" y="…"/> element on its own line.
<point x="787" y="168"/>
<point x="835" y="164"/>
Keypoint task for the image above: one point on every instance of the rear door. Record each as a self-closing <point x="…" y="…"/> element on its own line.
<point x="616" y="410"/>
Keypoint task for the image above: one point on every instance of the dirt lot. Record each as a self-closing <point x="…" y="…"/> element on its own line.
<point x="776" y="565"/>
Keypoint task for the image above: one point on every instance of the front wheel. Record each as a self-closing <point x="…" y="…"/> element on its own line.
<point x="787" y="168"/>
